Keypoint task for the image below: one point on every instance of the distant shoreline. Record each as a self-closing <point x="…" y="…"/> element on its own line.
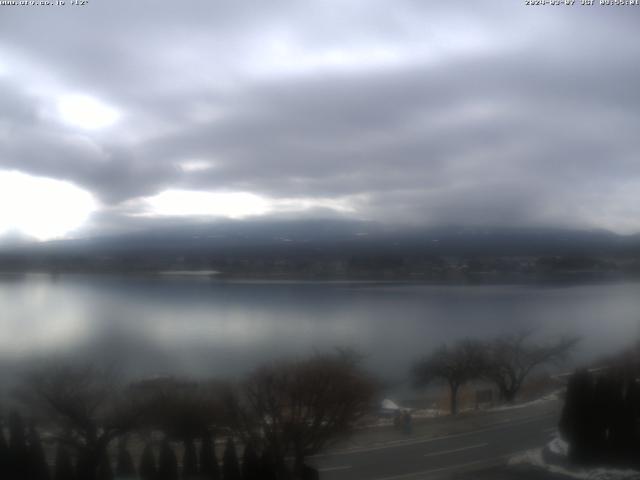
<point x="217" y="276"/>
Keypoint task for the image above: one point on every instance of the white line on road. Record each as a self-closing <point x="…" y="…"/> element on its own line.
<point x="487" y="461"/>
<point x="454" y="450"/>
<point x="333" y="469"/>
<point x="416" y="441"/>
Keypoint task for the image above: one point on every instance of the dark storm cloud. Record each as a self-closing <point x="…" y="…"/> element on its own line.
<point x="423" y="113"/>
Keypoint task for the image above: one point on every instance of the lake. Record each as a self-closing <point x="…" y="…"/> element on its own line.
<point x="205" y="327"/>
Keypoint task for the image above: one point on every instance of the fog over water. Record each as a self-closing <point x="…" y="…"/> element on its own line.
<point x="203" y="327"/>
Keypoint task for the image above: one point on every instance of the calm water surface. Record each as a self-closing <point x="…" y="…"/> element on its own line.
<point x="203" y="327"/>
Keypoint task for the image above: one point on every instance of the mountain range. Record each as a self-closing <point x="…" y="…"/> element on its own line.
<point x="258" y="243"/>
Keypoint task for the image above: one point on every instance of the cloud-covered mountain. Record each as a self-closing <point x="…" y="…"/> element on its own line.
<point x="13" y="239"/>
<point x="331" y="247"/>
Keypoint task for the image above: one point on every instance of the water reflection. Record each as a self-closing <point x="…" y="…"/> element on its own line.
<point x="204" y="327"/>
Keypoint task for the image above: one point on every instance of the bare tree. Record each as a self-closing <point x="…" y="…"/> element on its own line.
<point x="4" y="452"/>
<point x="230" y="464"/>
<point x="87" y="407"/>
<point x="297" y="408"/>
<point x="511" y="358"/>
<point x="455" y="365"/>
<point x="209" y="468"/>
<point x="184" y="410"/>
<point x="125" y="468"/>
<point x="63" y="465"/>
<point x="18" y="452"/>
<point x="148" y="467"/>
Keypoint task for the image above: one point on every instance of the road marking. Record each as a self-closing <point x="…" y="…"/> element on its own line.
<point x="416" y="441"/>
<point x="443" y="469"/>
<point x="333" y="469"/>
<point x="549" y="430"/>
<point x="444" y="452"/>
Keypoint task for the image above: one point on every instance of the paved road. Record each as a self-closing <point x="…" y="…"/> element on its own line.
<point x="443" y="456"/>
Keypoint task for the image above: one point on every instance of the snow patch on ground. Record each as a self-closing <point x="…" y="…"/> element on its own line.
<point x="547" y="398"/>
<point x="428" y="413"/>
<point x="420" y="414"/>
<point x="559" y="448"/>
<point x="388" y="404"/>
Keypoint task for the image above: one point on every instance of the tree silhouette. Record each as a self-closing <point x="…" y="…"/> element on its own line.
<point x="455" y="365"/>
<point x="600" y="417"/>
<point x="124" y="464"/>
<point x="209" y="468"/>
<point x="87" y="465"/>
<point x="87" y="405"/>
<point x="38" y="468"/>
<point x="183" y="409"/>
<point x="577" y="423"/>
<point x="4" y="454"/>
<point x="63" y="467"/>
<point x="105" y="472"/>
<point x="511" y="358"/>
<point x="189" y="461"/>
<point x="230" y="467"/>
<point x="298" y="408"/>
<point x="18" y="451"/>
<point x="148" y="470"/>
<point x="168" y="463"/>
<point x="309" y="473"/>
<point x="268" y="469"/>
<point x="250" y="463"/>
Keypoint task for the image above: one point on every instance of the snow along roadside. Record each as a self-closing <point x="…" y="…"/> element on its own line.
<point x="558" y="449"/>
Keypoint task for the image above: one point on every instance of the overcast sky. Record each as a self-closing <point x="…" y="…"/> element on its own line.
<point x="122" y="113"/>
